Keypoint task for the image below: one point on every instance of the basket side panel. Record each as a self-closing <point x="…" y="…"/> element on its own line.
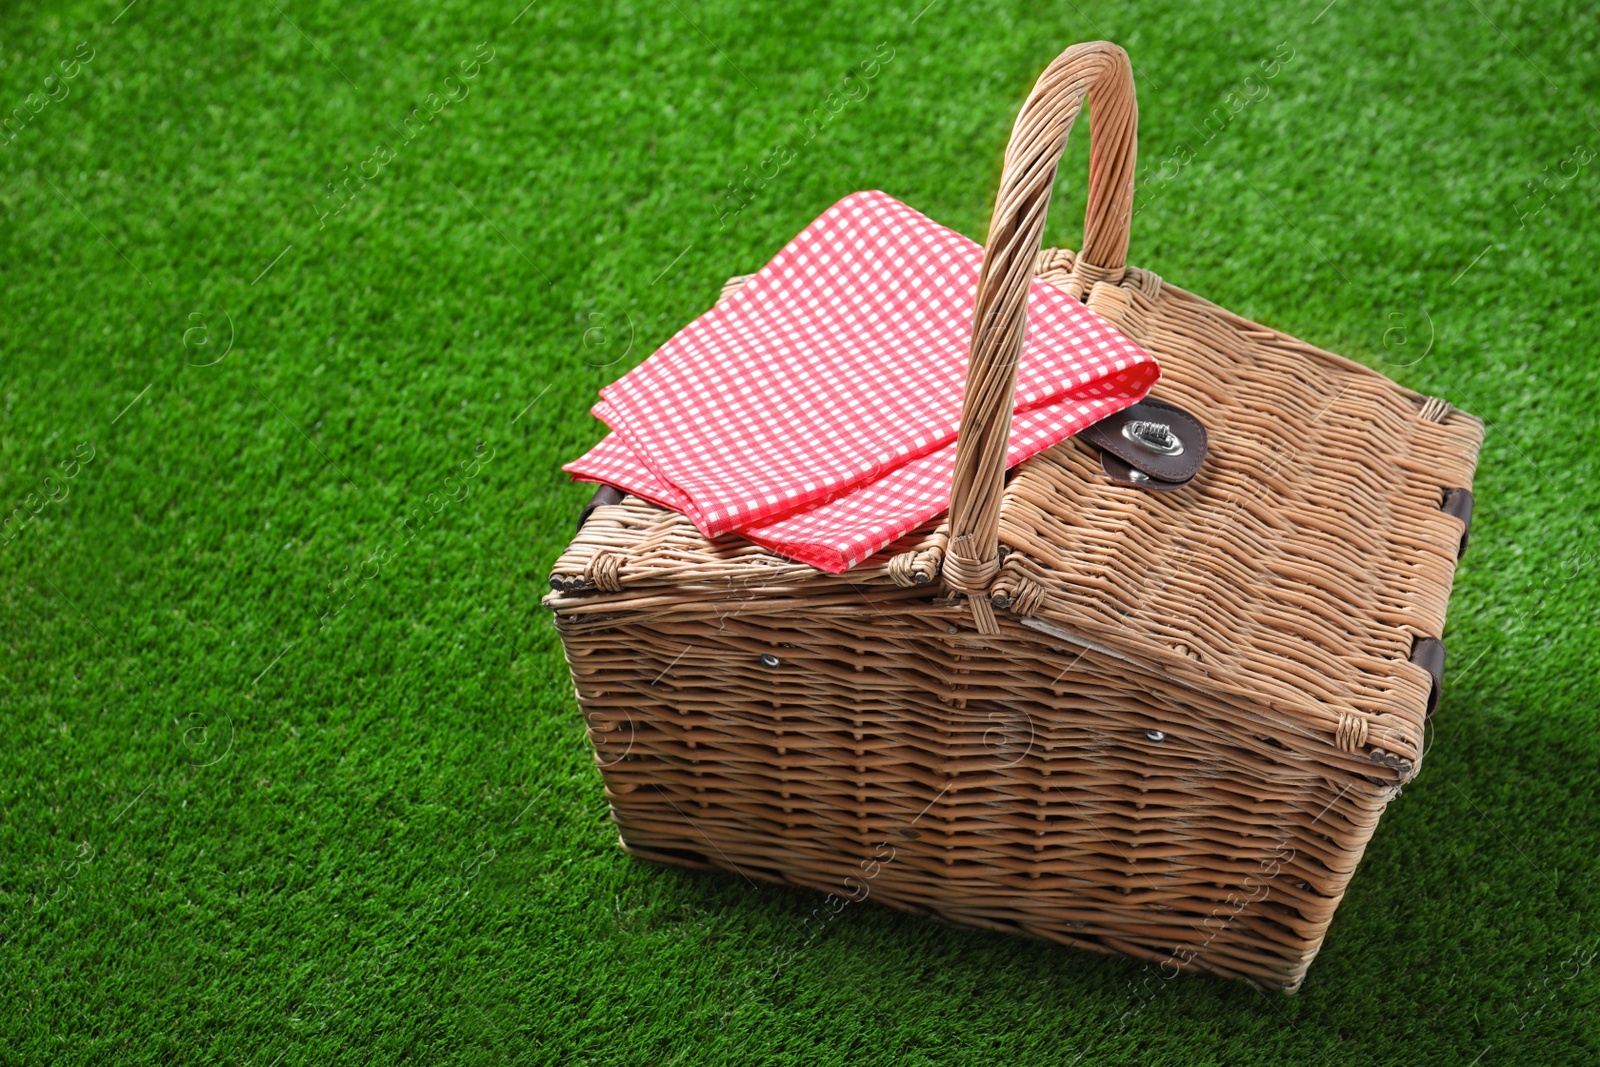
<point x="1009" y="783"/>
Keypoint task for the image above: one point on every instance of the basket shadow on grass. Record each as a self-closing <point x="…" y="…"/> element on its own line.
<point x="1441" y="927"/>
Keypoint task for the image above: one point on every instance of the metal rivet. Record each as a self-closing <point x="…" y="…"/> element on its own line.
<point x="1154" y="437"/>
<point x="1155" y="735"/>
<point x="1134" y="474"/>
<point x="769" y="660"/>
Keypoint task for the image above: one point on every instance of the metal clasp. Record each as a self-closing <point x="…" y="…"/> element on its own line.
<point x="1154" y="437"/>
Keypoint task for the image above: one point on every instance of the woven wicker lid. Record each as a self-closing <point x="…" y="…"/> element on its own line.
<point x="1293" y="574"/>
<point x="1305" y="560"/>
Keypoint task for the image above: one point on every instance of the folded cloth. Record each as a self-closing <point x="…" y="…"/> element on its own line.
<point x="815" y="410"/>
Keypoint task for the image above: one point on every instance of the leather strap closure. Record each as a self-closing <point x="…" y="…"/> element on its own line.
<point x="1458" y="503"/>
<point x="1124" y="474"/>
<point x="1428" y="653"/>
<point x="604" y="496"/>
<point x="1152" y="444"/>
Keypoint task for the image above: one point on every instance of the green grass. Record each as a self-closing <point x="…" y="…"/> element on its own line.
<point x="233" y="835"/>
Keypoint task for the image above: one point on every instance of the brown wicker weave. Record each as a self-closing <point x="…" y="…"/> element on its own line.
<point x="1161" y="724"/>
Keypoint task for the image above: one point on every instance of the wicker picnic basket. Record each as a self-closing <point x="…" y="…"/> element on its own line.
<point x="1155" y="723"/>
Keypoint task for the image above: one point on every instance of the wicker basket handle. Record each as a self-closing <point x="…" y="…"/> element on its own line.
<point x="1101" y="71"/>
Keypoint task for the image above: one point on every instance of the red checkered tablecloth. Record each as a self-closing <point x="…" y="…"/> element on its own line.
<point x="815" y="410"/>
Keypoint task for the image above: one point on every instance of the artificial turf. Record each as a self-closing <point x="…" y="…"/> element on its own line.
<point x="288" y="783"/>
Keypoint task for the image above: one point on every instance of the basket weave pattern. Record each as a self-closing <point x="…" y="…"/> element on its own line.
<point x="1160" y="724"/>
